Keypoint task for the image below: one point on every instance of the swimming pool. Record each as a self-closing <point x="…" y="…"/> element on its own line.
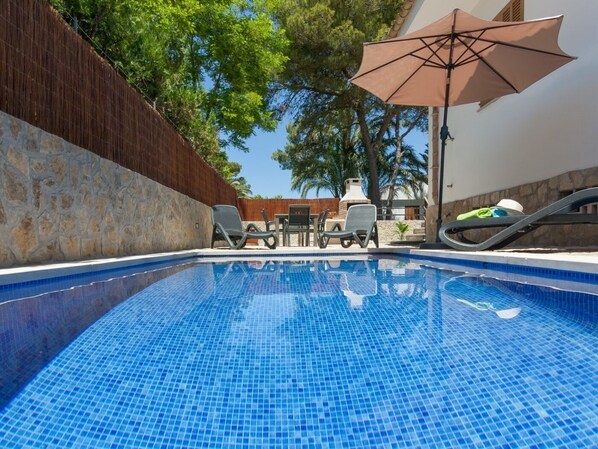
<point x="367" y="352"/>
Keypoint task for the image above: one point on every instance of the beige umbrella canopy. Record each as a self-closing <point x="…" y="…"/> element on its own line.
<point x="460" y="59"/>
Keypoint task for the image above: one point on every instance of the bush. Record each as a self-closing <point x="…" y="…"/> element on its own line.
<point x="402" y="229"/>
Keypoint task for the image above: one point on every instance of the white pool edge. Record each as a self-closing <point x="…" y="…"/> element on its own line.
<point x="575" y="262"/>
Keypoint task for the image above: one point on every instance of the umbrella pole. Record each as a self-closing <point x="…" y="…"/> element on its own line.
<point x="444" y="134"/>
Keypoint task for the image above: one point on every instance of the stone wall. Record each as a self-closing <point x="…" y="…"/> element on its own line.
<point x="532" y="196"/>
<point x="59" y="202"/>
<point x="387" y="229"/>
<point x="387" y="232"/>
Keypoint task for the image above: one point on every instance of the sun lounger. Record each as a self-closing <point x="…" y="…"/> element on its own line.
<point x="360" y="226"/>
<point x="228" y="227"/>
<point x="561" y="212"/>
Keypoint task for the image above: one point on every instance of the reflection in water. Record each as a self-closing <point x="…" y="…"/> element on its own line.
<point x="357" y="279"/>
<point x="463" y="285"/>
<point x="34" y="329"/>
<point x="482" y="306"/>
<point x="273" y="354"/>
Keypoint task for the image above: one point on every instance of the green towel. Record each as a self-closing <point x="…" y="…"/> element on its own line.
<point x="484" y="212"/>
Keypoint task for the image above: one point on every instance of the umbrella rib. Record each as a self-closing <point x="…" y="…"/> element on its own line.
<point x="522" y="47"/>
<point x="468" y="48"/>
<point x="476" y="54"/>
<point x="434" y="64"/>
<point x="440" y="43"/>
<point x="412" y="54"/>
<point x="513" y="24"/>
<point x="462" y="37"/>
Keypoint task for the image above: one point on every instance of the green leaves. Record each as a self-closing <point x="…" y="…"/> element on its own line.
<point x="206" y="65"/>
<point x="321" y="154"/>
<point x="340" y="131"/>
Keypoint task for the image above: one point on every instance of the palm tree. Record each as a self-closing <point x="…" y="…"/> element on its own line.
<point x="321" y="155"/>
<point x="408" y="175"/>
<point x="406" y="169"/>
<point x="242" y="187"/>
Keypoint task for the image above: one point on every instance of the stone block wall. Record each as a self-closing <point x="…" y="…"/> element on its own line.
<point x="60" y="202"/>
<point x="387" y="232"/>
<point x="387" y="229"/>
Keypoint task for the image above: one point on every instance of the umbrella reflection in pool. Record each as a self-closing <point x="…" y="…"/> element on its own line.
<point x="458" y="286"/>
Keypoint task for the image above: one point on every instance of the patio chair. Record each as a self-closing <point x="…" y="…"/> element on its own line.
<point x="561" y="212"/>
<point x="360" y="226"/>
<point x="321" y="225"/>
<point x="228" y="227"/>
<point x="298" y="221"/>
<point x="267" y="221"/>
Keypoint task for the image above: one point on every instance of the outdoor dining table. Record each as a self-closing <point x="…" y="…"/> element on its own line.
<point x="281" y="217"/>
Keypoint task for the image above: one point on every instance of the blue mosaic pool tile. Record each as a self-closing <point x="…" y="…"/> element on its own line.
<point x="34" y="329"/>
<point x="353" y="354"/>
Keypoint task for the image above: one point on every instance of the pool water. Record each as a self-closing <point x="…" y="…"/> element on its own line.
<point x="366" y="353"/>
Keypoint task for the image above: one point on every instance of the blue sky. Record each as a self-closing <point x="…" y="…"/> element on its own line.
<point x="264" y="174"/>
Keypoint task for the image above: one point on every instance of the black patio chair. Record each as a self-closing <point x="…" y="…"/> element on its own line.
<point x="298" y="221"/>
<point x="267" y="221"/>
<point x="321" y="225"/>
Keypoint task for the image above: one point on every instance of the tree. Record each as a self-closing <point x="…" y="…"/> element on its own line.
<point x="206" y="66"/>
<point x="406" y="165"/>
<point x="242" y="187"/>
<point x="321" y="154"/>
<point x="326" y="40"/>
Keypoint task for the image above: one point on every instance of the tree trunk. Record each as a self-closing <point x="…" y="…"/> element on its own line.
<point x="395" y="171"/>
<point x="399" y="155"/>
<point x="393" y="179"/>
<point x="372" y="149"/>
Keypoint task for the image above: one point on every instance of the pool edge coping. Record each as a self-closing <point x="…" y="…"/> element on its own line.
<point x="555" y="261"/>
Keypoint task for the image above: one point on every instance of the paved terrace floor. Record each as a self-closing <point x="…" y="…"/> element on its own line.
<point x="579" y="260"/>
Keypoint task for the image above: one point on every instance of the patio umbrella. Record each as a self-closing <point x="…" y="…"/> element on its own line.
<point x="460" y="59"/>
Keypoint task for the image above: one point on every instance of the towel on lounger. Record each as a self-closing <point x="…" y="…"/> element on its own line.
<point x="484" y="212"/>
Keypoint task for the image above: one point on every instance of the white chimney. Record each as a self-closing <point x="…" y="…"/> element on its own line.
<point x="353" y="190"/>
<point x="353" y="195"/>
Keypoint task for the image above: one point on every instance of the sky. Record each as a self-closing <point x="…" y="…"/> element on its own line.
<point x="265" y="176"/>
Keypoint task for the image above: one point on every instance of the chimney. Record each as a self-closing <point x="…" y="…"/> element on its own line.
<point x="353" y="195"/>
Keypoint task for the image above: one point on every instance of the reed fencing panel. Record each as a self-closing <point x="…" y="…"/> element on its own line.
<point x="54" y="80"/>
<point x="251" y="209"/>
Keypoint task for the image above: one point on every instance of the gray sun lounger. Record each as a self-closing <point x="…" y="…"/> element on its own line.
<point x="360" y="227"/>
<point x="228" y="227"/>
<point x="561" y="212"/>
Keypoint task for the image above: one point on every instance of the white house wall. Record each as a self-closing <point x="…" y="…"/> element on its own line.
<point x="424" y="12"/>
<point x="548" y="129"/>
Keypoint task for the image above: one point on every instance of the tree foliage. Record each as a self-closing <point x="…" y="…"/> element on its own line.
<point x="326" y="39"/>
<point x="321" y="155"/>
<point x="205" y="65"/>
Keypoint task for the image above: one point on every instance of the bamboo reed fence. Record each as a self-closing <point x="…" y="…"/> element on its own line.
<point x="54" y="80"/>
<point x="251" y="209"/>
